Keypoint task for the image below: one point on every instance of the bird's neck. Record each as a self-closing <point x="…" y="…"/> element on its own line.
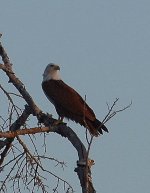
<point x="52" y="76"/>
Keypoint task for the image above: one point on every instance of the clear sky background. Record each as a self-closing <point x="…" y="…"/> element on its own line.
<point x="103" y="48"/>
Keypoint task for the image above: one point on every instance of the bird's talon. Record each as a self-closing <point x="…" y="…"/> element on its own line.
<point x="58" y="122"/>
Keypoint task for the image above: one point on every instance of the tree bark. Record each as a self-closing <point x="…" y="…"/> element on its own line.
<point x="83" y="170"/>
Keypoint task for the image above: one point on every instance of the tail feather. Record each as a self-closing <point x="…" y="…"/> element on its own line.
<point x="96" y="127"/>
<point x="100" y="126"/>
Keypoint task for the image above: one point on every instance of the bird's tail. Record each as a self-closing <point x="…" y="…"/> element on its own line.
<point x="95" y="127"/>
<point x="100" y="126"/>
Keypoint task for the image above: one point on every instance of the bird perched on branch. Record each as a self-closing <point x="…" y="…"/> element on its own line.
<point x="68" y="102"/>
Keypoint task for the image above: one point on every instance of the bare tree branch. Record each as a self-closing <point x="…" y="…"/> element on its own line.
<point x="15" y="126"/>
<point x="63" y="130"/>
<point x="84" y="164"/>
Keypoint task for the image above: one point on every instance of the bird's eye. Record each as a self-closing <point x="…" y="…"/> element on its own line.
<point x="52" y="65"/>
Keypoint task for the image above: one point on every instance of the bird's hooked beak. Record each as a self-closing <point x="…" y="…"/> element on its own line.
<point x="56" y="67"/>
<point x="52" y="67"/>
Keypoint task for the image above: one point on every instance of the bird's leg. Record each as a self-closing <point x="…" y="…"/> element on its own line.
<point x="60" y="118"/>
<point x="59" y="121"/>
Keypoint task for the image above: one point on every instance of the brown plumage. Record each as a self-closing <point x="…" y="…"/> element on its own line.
<point x="68" y="102"/>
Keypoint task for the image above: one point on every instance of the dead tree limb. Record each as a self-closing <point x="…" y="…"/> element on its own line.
<point x="48" y="121"/>
<point x="14" y="127"/>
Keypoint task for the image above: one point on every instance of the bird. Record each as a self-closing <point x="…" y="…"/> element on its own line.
<point x="68" y="103"/>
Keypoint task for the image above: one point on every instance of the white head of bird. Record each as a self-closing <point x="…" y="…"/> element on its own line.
<point x="52" y="72"/>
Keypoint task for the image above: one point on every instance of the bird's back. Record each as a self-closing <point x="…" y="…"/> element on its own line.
<point x="67" y="99"/>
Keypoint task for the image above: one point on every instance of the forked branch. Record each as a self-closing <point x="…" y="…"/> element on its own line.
<point x="47" y="124"/>
<point x="47" y="120"/>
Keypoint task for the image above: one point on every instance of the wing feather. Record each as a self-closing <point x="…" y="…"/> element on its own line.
<point x="66" y="98"/>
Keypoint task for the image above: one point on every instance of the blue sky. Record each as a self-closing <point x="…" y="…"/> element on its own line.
<point x="103" y="49"/>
